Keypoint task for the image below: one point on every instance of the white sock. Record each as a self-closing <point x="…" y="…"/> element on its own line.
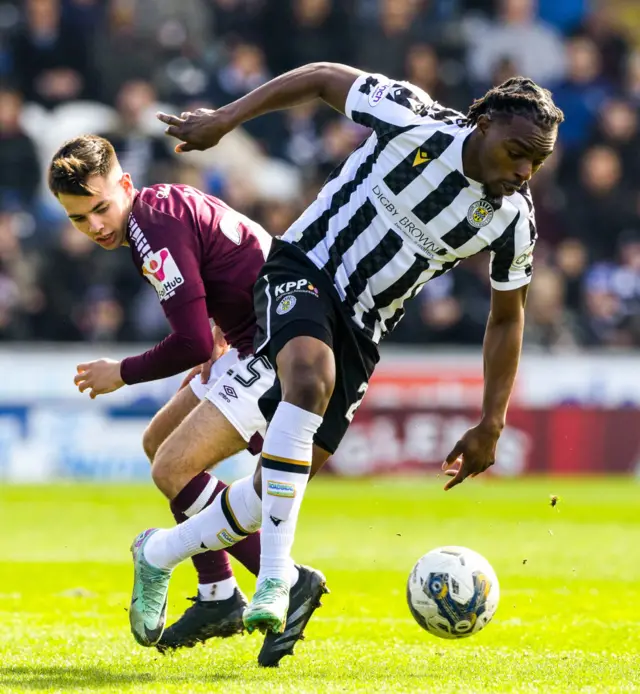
<point x="294" y="575"/>
<point x="234" y="514"/>
<point x="245" y="503"/>
<point x="165" y="549"/>
<point x="220" y="590"/>
<point x="286" y="463"/>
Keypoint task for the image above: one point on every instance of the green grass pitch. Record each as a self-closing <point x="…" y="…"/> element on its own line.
<point x="569" y="618"/>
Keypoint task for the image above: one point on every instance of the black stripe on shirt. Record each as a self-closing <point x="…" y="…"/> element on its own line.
<point x="370" y="264"/>
<point x="440" y="198"/>
<point x="417" y="161"/>
<point x="317" y="229"/>
<point x="505" y="252"/>
<point x="360" y="221"/>
<point x="395" y="291"/>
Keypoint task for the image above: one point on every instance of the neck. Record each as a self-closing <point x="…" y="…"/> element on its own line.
<point x="130" y="204"/>
<point x="471" y="156"/>
<point x="126" y="222"/>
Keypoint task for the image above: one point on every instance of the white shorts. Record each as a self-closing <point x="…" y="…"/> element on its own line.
<point x="245" y="417"/>
<point x="218" y="369"/>
<point x="235" y="386"/>
<point x="238" y="391"/>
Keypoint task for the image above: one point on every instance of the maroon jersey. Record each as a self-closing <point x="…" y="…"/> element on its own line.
<point x="202" y="258"/>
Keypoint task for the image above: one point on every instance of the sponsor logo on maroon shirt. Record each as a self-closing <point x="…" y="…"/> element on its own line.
<point x="163" y="273"/>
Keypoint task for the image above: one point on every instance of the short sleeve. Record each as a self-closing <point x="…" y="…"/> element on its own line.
<point x="383" y="104"/>
<point x="512" y="261"/>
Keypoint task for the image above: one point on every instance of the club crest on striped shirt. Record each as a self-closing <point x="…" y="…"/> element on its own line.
<point x="480" y="214"/>
<point x="286" y="304"/>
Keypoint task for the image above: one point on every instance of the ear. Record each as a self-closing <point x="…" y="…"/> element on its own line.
<point x="126" y="182"/>
<point x="484" y="121"/>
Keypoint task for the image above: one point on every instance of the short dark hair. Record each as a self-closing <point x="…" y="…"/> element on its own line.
<point x="518" y="96"/>
<point x="76" y="161"/>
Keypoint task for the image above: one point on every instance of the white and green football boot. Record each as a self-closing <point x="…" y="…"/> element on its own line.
<point x="148" y="609"/>
<point x="267" y="611"/>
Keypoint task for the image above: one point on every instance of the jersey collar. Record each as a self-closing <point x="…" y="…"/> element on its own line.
<point x="136" y="198"/>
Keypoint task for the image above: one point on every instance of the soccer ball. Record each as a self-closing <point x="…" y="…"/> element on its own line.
<point x="453" y="592"/>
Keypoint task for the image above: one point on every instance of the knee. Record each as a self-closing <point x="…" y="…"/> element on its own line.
<point x="308" y="379"/>
<point x="309" y="388"/>
<point x="161" y="472"/>
<point x="150" y="442"/>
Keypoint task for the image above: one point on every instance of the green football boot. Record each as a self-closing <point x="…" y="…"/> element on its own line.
<point x="267" y="611"/>
<point x="148" y="610"/>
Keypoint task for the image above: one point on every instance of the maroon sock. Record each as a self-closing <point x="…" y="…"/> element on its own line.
<point x="247" y="552"/>
<point x="214" y="566"/>
<point x="211" y="567"/>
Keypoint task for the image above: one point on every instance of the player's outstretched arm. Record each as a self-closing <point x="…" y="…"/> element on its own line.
<point x="476" y="450"/>
<point x="189" y="344"/>
<point x="206" y="127"/>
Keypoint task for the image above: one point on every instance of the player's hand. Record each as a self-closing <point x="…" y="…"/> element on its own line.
<point x="220" y="347"/>
<point x="198" y="130"/>
<point x="473" y="454"/>
<point x="99" y="377"/>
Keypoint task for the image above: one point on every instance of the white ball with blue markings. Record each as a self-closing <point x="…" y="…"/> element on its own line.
<point x="453" y="592"/>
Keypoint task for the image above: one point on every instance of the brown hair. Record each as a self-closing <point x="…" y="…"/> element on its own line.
<point x="76" y="161"/>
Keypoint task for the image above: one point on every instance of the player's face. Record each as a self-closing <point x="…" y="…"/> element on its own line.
<point x="512" y="150"/>
<point x="103" y="216"/>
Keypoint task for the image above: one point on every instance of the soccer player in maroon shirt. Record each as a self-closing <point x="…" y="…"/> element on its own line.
<point x="202" y="259"/>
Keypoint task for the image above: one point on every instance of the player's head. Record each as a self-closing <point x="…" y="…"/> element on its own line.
<point x="517" y="130"/>
<point x="87" y="179"/>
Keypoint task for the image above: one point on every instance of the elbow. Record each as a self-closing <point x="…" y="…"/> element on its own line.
<point x="322" y="73"/>
<point x="322" y="67"/>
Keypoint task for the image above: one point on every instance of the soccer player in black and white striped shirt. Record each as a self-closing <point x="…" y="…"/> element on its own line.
<point x="427" y="189"/>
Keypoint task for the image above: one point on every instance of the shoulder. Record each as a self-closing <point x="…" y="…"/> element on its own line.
<point x="163" y="197"/>
<point x="526" y="225"/>
<point x="160" y="217"/>
<point x="167" y="205"/>
<point x="398" y="101"/>
<point x="523" y="202"/>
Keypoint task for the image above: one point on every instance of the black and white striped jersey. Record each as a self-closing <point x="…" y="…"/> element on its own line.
<point x="400" y="211"/>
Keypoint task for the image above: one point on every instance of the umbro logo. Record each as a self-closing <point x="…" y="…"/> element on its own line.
<point x="230" y="392"/>
<point x="276" y="521"/>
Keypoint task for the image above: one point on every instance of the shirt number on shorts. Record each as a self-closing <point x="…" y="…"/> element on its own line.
<point x="352" y="410"/>
<point x="251" y="368"/>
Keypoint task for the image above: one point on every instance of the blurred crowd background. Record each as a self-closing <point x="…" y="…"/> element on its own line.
<point x="69" y="67"/>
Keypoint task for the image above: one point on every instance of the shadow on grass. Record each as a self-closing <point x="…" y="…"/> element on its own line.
<point x="37" y="678"/>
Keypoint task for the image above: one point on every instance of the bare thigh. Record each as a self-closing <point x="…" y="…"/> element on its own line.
<point x="167" y="420"/>
<point x="203" y="439"/>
